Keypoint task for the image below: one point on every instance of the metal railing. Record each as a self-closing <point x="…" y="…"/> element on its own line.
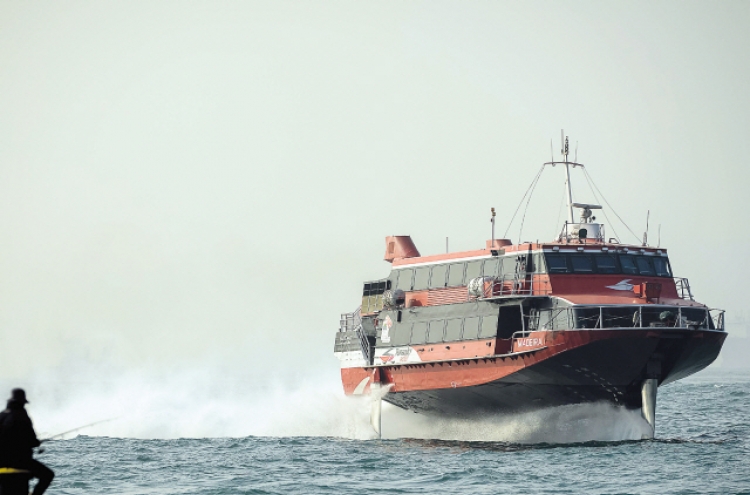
<point x="352" y="322"/>
<point x="522" y="334"/>
<point x="510" y="285"/>
<point x="683" y="288"/>
<point x="627" y="316"/>
<point x="596" y="228"/>
<point x="364" y="344"/>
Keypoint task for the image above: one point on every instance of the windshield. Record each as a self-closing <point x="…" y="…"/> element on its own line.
<point x="608" y="263"/>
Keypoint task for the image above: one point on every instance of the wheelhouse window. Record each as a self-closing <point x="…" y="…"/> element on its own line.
<point x="644" y="266"/>
<point x="628" y="264"/>
<point x="557" y="263"/>
<point x="606" y="263"/>
<point x="661" y="267"/>
<point x="582" y="263"/>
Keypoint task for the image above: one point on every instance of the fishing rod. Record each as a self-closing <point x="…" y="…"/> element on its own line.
<point x="75" y="430"/>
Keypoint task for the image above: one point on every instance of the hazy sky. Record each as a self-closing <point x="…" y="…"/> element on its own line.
<point x="205" y="185"/>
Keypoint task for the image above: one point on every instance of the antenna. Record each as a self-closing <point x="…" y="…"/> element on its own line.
<point x="576" y="158"/>
<point x="446" y="246"/>
<point x="645" y="234"/>
<point x="562" y="141"/>
<point x="493" y="226"/>
<point x="658" y="241"/>
<point x="564" y="151"/>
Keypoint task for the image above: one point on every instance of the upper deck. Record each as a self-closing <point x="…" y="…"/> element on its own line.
<point x="584" y="271"/>
<point x="581" y="267"/>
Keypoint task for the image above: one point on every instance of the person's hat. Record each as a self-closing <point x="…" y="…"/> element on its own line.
<point x="18" y="395"/>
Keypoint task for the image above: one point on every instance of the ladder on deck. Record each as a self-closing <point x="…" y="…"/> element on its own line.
<point x="522" y="282"/>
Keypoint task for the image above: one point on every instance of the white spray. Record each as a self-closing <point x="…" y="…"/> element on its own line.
<point x="201" y="403"/>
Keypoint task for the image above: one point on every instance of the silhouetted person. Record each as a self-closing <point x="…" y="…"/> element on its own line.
<point x="17" y="439"/>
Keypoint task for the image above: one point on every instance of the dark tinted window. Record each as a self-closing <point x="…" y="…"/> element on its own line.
<point x="376" y="288"/>
<point x="644" y="266"/>
<point x="582" y="263"/>
<point x="557" y="263"/>
<point x="606" y="263"/>
<point x="661" y="267"/>
<point x="628" y="264"/>
<point x="438" y="276"/>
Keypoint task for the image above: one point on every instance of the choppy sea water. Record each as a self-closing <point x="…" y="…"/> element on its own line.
<point x="702" y="447"/>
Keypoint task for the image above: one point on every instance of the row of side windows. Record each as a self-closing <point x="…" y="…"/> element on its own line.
<point x="609" y="263"/>
<point x="437" y="331"/>
<point x="460" y="273"/>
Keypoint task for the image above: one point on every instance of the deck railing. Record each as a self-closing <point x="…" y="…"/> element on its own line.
<point x="683" y="288"/>
<point x="350" y="321"/>
<point x="629" y="316"/>
<point x="510" y="285"/>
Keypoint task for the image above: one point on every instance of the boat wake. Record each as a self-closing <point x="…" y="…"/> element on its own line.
<point x="598" y="422"/>
<point x="197" y="405"/>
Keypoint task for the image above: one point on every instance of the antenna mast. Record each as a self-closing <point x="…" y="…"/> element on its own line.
<point x="493" y="227"/>
<point x="564" y="152"/>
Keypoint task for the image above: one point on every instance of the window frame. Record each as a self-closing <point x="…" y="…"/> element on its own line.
<point x="462" y="264"/>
